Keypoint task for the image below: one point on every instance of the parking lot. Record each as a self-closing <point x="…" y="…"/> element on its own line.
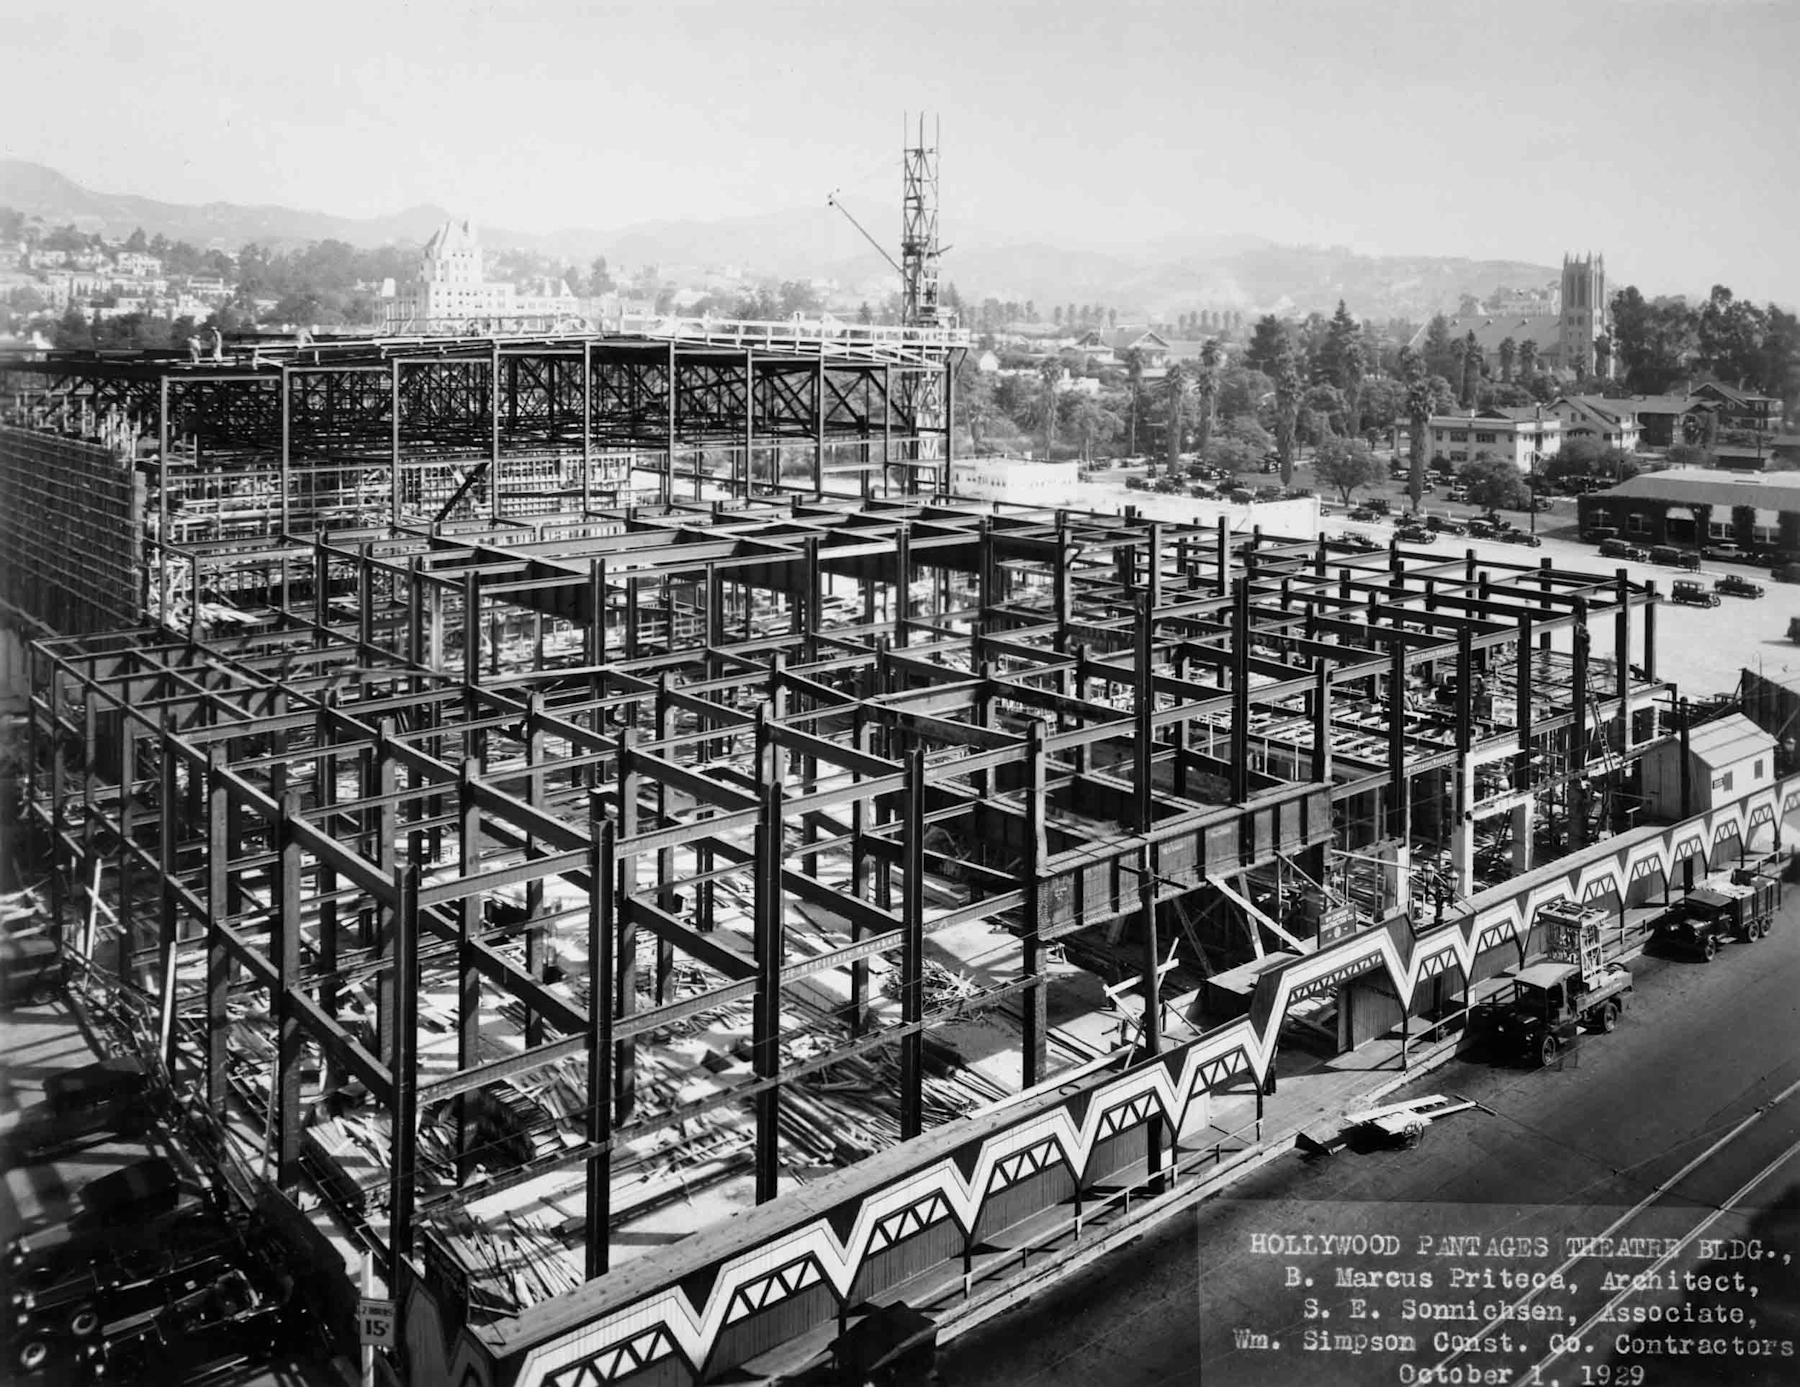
<point x="1703" y="649"/>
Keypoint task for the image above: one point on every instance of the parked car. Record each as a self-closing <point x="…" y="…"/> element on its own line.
<point x="1408" y="533"/>
<point x="1675" y="557"/>
<point x="89" y="1085"/>
<point x="1481" y="529"/>
<point x="1378" y="504"/>
<point x="1736" y="586"/>
<point x="1351" y="539"/>
<point x="1599" y="534"/>
<point x="1777" y="558"/>
<point x="1692" y="594"/>
<point x="1620" y="549"/>
<point x="1524" y="537"/>
<point x="1443" y="525"/>
<point x="55" y="1325"/>
<point x="1794" y="629"/>
<point x="1787" y="573"/>
<point x="212" y="1336"/>
<point x="1725" y="553"/>
<point x="1363" y="513"/>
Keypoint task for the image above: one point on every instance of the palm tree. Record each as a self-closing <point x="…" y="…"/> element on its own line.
<point x="1509" y="352"/>
<point x="1288" y="389"/>
<point x="1206" y="388"/>
<point x="1418" y="415"/>
<point x="1177" y="390"/>
<point x="1471" y="369"/>
<point x="1090" y="423"/>
<point x="1134" y="378"/>
<point x="1050" y="372"/>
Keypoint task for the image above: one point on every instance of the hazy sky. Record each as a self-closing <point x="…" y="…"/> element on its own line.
<point x="1659" y="131"/>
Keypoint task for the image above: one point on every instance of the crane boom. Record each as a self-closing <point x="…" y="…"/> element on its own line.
<point x="832" y="201"/>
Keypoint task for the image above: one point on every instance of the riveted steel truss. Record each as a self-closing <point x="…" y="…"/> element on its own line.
<point x="414" y="821"/>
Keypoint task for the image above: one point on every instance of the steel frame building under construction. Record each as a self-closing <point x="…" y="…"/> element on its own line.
<point x="515" y="785"/>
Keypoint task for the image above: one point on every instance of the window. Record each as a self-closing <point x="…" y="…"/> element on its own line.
<point x="1461" y="437"/>
<point x="1484" y="438"/>
<point x="1724" y="782"/>
<point x="1719" y="529"/>
<point x="1756" y="771"/>
<point x="1636" y="523"/>
<point x="1459" y="455"/>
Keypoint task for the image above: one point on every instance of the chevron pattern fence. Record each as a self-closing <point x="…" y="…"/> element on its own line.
<point x="675" y="1332"/>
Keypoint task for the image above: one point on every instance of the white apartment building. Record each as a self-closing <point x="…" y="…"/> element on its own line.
<point x="1522" y="435"/>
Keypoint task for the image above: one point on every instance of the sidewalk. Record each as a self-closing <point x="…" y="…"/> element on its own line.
<point x="1312" y="1092"/>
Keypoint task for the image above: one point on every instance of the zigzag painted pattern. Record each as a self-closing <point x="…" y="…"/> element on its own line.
<point x="665" y="1319"/>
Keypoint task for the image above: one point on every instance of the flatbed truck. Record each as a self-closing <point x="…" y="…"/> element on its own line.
<point x="1547" y="1003"/>
<point x="1741" y="906"/>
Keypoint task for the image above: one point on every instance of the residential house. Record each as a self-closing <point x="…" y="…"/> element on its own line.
<point x="1522" y="435"/>
<point x="1109" y="347"/>
<point x="1665" y="420"/>
<point x="1610" y="423"/>
<point x="131" y="262"/>
<point x="1742" y="409"/>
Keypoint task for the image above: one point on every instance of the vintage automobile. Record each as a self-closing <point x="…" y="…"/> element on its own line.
<point x="211" y="1336"/>
<point x="1689" y="593"/>
<point x="1735" y="585"/>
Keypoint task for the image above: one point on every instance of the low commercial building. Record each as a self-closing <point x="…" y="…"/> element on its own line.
<point x="1019" y="480"/>
<point x="1692" y="505"/>
<point x="1521" y="435"/>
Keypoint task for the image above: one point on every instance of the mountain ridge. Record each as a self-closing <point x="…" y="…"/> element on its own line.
<point x="1164" y="275"/>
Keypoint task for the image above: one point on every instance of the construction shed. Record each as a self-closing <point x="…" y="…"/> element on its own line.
<point x="1726" y="759"/>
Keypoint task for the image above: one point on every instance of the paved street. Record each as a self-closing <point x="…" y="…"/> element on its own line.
<point x="1578" y="1151"/>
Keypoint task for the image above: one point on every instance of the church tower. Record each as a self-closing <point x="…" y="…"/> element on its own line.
<point x="1584" y="312"/>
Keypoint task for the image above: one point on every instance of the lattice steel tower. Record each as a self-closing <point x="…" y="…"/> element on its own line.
<point x="919" y="232"/>
<point x="922" y="392"/>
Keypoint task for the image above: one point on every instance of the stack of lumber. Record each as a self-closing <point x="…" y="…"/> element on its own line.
<point x="351" y="1159"/>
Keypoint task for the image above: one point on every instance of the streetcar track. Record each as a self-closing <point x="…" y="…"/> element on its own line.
<point x="1559" y="1276"/>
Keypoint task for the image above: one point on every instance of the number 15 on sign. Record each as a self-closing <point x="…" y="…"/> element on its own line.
<point x="375" y="1319"/>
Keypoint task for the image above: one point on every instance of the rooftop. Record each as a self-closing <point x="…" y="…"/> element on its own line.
<point x="1705" y="487"/>
<point x="1728" y="740"/>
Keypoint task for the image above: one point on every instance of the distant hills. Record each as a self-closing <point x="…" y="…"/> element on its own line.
<point x="1159" y="278"/>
